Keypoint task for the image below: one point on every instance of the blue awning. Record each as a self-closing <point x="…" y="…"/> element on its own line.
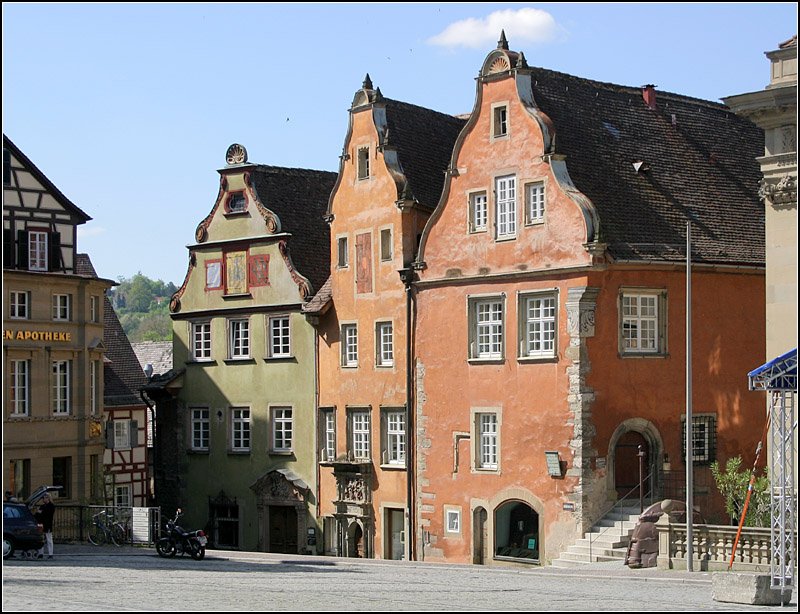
<point x="778" y="374"/>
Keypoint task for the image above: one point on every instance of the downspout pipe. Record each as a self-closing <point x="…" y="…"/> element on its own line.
<point x="407" y="277"/>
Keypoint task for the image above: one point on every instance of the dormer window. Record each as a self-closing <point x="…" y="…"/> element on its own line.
<point x="363" y="163"/>
<point x="500" y="121"/>
<point x="236" y="203"/>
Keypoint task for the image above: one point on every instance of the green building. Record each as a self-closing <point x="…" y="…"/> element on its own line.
<point x="238" y="439"/>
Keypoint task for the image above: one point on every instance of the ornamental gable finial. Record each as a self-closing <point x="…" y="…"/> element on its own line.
<point x="502" y="43"/>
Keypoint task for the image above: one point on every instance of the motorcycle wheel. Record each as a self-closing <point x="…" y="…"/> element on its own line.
<point x="165" y="548"/>
<point x="197" y="551"/>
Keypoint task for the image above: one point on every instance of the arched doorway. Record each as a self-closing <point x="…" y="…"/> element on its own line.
<point x="479" y="541"/>
<point x="516" y="531"/>
<point x="627" y="465"/>
<point x="355" y="541"/>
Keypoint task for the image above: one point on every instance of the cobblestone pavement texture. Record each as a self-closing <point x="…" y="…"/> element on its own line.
<point x="87" y="578"/>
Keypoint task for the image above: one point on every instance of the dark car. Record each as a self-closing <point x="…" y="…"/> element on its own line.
<point x="20" y="529"/>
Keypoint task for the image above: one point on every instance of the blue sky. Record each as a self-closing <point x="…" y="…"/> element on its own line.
<point x="129" y="108"/>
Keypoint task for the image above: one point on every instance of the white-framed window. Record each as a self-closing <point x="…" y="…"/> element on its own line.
<point x="94" y="385"/>
<point x="534" y="203"/>
<point x="486" y="328"/>
<point x="239" y="338"/>
<point x="704" y="438"/>
<point x="393" y="425"/>
<point x="37" y="250"/>
<point x="19" y="305"/>
<point x="280" y="345"/>
<point x="642" y="325"/>
<point x="342" y="256"/>
<point x="384" y="337"/>
<point x="506" y="206"/>
<point x="122" y="495"/>
<point x="452" y="520"/>
<point x="240" y="429"/>
<point x="359" y="434"/>
<point x="327" y="434"/>
<point x="19" y="391"/>
<point x="201" y="428"/>
<point x="488" y="448"/>
<point x="500" y="121"/>
<point x="122" y="434"/>
<point x="349" y="339"/>
<point x="201" y="340"/>
<point x="387" y="251"/>
<point x="236" y="202"/>
<point x="61" y="307"/>
<point x="281" y="429"/>
<point x="537" y="315"/>
<point x="93" y="309"/>
<point x="61" y="387"/>
<point x="478" y="212"/>
<point x="363" y="162"/>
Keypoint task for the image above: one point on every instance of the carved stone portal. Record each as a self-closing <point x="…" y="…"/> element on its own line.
<point x="281" y="501"/>
<point x="355" y="519"/>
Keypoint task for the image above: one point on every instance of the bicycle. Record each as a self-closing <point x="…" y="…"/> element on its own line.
<point x="105" y="529"/>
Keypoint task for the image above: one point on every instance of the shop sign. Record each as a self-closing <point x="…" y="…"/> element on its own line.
<point x="36" y="335"/>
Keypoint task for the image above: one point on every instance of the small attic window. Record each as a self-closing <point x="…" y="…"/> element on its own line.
<point x="500" y="121"/>
<point x="236" y="203"/>
<point x="363" y="163"/>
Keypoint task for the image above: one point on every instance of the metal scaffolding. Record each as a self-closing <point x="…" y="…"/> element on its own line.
<point x="779" y="378"/>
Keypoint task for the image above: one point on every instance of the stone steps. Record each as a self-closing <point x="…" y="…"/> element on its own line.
<point x="609" y="539"/>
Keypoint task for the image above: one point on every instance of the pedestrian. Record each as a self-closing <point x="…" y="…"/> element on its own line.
<point x="45" y="516"/>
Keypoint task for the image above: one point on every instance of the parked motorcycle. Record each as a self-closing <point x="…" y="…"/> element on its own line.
<point x="180" y="541"/>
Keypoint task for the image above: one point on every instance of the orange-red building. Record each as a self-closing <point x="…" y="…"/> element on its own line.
<point x="390" y="179"/>
<point x="550" y="304"/>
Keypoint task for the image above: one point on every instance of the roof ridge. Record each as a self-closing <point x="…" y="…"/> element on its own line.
<point x="628" y="89"/>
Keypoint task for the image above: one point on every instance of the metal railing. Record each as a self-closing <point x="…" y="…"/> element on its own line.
<point x="72" y="523"/>
<point x="639" y="488"/>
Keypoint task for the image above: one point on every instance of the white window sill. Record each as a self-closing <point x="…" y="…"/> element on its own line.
<point x="543" y="358"/>
<point x="393" y="466"/>
<point x="486" y="361"/>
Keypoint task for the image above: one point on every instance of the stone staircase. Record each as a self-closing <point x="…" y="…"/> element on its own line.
<point x="607" y="540"/>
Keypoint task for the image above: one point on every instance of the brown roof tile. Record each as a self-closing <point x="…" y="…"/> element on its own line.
<point x="701" y="161"/>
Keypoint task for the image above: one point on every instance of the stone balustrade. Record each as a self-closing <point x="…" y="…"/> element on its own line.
<point x="712" y="547"/>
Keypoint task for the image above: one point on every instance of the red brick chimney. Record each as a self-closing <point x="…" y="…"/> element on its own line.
<point x="649" y="95"/>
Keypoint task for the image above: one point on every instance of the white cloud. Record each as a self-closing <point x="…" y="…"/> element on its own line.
<point x="526" y="25"/>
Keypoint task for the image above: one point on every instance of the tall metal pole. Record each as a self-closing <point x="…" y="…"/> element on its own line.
<point x="689" y="447"/>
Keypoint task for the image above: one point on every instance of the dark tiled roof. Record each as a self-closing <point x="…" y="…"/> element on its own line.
<point x="320" y="301"/>
<point x="123" y="375"/>
<point x="702" y="167"/>
<point x="84" y="266"/>
<point x="65" y="202"/>
<point x="424" y="142"/>
<point x="155" y="353"/>
<point x="299" y="197"/>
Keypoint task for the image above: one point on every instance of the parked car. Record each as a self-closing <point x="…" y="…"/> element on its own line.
<point x="20" y="530"/>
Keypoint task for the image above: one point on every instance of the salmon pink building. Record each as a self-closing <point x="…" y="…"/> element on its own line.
<point x="550" y="310"/>
<point x="390" y="179"/>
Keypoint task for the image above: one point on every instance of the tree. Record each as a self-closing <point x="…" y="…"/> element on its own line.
<point x="733" y="483"/>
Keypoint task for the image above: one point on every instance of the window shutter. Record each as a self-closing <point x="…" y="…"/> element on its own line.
<point x="133" y="432"/>
<point x="22" y="249"/>
<point x="56" y="262"/>
<point x="110" y="435"/>
<point x="8" y="249"/>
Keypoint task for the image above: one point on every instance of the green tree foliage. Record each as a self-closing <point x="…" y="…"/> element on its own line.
<point x="142" y="304"/>
<point x="733" y="483"/>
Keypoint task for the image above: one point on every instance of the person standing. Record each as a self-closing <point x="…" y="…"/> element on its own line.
<point x="45" y="516"/>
